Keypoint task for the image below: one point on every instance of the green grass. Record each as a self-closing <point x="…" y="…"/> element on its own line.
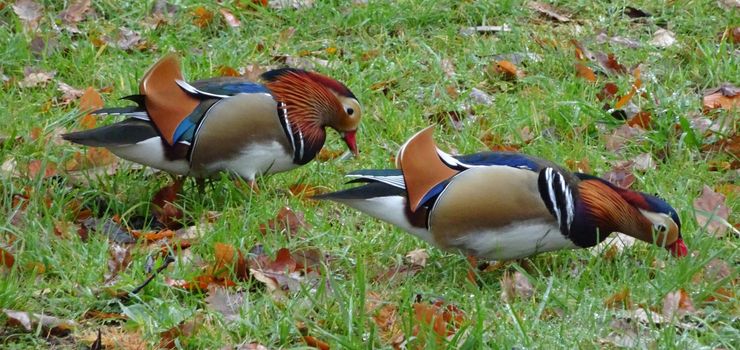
<point x="411" y="39"/>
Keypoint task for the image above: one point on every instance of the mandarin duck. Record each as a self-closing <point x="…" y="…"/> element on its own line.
<point x="502" y="206"/>
<point x="227" y="124"/>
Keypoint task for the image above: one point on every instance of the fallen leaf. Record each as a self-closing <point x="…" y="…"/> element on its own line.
<point x="304" y="190"/>
<point x="254" y="71"/>
<point x="69" y="93"/>
<point x="677" y="304"/>
<point x="397" y="273"/>
<point x="643" y="162"/>
<point x="480" y="97"/>
<point x="621" y="176"/>
<point x="75" y="12"/>
<point x="316" y="343"/>
<point x="202" y="17"/>
<point x="633" y="12"/>
<point x="584" y="72"/>
<point x="514" y="286"/>
<point x="417" y="257"/>
<point x="90" y="100"/>
<point x="612" y="246"/>
<point x="30" y="322"/>
<point x="602" y="38"/>
<point x="109" y="228"/>
<point x="230" y="19"/>
<point x="35" y="77"/>
<point x="226" y="303"/>
<point x="640" y="120"/>
<point x="286" y="221"/>
<point x="385" y="315"/>
<point x="505" y="69"/>
<point x="663" y="38"/>
<point x="448" y="67"/>
<point x="114" y="337"/>
<point x="548" y="10"/>
<point x="120" y="259"/>
<point x="169" y="338"/>
<point x="444" y="319"/>
<point x="226" y="71"/>
<point x="727" y="96"/>
<point x="251" y="346"/>
<point x="228" y="259"/>
<point x="621" y="136"/>
<point x="581" y="166"/>
<point x="711" y="212"/>
<point x="294" y="4"/>
<point x="327" y="154"/>
<point x="729" y="4"/>
<point x="29" y="13"/>
<point x="619" y="299"/>
<point x="164" y="209"/>
<point x="38" y="167"/>
<point x="6" y="259"/>
<point x="609" y="63"/>
<point x="127" y="39"/>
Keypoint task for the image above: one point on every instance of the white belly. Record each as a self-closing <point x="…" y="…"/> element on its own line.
<point x="255" y="160"/>
<point x="514" y="242"/>
<point x="151" y="153"/>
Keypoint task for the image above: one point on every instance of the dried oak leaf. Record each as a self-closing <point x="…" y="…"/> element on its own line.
<point x="30" y="322"/>
<point x="75" y="12"/>
<point x="677" y="304"/>
<point x="229" y="18"/>
<point x="29" y="13"/>
<point x="34" y="77"/>
<point x="202" y="17"/>
<point x="417" y="257"/>
<point x="164" y="209"/>
<point x="663" y="38"/>
<point x="287" y="220"/>
<point x="549" y="11"/>
<point x="444" y="319"/>
<point x="711" y="211"/>
<point x="120" y="259"/>
<point x="290" y="4"/>
<point x="514" y="286"/>
<point x="727" y="96"/>
<point x="584" y="72"/>
<point x="505" y="69"/>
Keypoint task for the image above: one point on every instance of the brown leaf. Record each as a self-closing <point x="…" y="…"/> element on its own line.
<point x="304" y="190"/>
<point x="69" y="93"/>
<point x="224" y="302"/>
<point x="230" y="19"/>
<point x="583" y="71"/>
<point x="663" y="38"/>
<point x="515" y="286"/>
<point x="202" y="17"/>
<point x="315" y="342"/>
<point x="114" y="337"/>
<point x="610" y="64"/>
<point x="164" y="209"/>
<point x="621" y="136"/>
<point x="444" y="320"/>
<point x="726" y="97"/>
<point x="90" y="100"/>
<point x="29" y="13"/>
<point x="608" y="92"/>
<point x="230" y="258"/>
<point x="252" y="346"/>
<point x="677" y="304"/>
<point x="185" y="329"/>
<point x="397" y="273"/>
<point x="505" y="69"/>
<point x="37" y="167"/>
<point x="35" y="77"/>
<point x="643" y="162"/>
<point x="50" y="325"/>
<point x="640" y="120"/>
<point x="6" y="259"/>
<point x="417" y="257"/>
<point x="633" y="12"/>
<point x="287" y="221"/>
<point x="581" y="166"/>
<point x="621" y="176"/>
<point x="711" y="211"/>
<point x="327" y="154"/>
<point x="548" y="10"/>
<point x="620" y="299"/>
<point x="226" y="71"/>
<point x="127" y="39"/>
<point x="75" y="12"/>
<point x="385" y="315"/>
<point x="120" y="259"/>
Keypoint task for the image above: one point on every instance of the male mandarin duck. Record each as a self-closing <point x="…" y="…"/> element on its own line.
<point x="229" y="123"/>
<point x="502" y="206"/>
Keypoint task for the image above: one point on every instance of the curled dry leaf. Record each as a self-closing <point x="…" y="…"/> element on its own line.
<point x="444" y="319"/>
<point x="69" y="93"/>
<point x="711" y="212"/>
<point x="584" y="72"/>
<point x="619" y="300"/>
<point x="640" y="120"/>
<point x="230" y="19"/>
<point x="514" y="286"/>
<point x="581" y="166"/>
<point x="90" y="100"/>
<point x="30" y="322"/>
<point x="226" y="303"/>
<point x="287" y="220"/>
<point x="75" y="12"/>
<point x="609" y="63"/>
<point x="164" y="209"/>
<point x="6" y="259"/>
<point x="202" y="17"/>
<point x="29" y="13"/>
<point x="386" y="317"/>
<point x="35" y="77"/>
<point x="505" y="69"/>
<point x="120" y="259"/>
<point x="548" y="11"/>
<point x="677" y="304"/>
<point x="727" y="96"/>
<point x="417" y="257"/>
<point x="114" y="337"/>
<point x="663" y="38"/>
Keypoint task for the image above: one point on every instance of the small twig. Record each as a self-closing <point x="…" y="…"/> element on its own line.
<point x="167" y="261"/>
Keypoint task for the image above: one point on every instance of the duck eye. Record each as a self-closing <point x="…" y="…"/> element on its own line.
<point x="661" y="228"/>
<point x="350" y="111"/>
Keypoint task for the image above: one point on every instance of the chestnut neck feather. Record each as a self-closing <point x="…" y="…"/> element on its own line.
<point x="310" y="107"/>
<point x="610" y="212"/>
